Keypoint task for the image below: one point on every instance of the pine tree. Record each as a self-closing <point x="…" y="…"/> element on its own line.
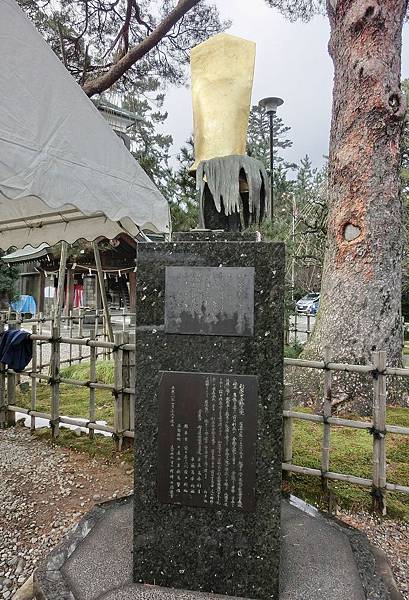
<point x="106" y="43"/>
<point x="360" y="307"/>
<point x="184" y="208"/>
<point x="8" y="279"/>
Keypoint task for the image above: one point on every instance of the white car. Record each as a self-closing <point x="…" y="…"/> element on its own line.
<point x="304" y="304"/>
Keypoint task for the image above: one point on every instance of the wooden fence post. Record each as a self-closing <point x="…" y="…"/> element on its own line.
<point x="295" y="328"/>
<point x="308" y="330"/>
<point x="3" y="400"/>
<point x="327" y="410"/>
<point x="132" y="374"/>
<point x="59" y="297"/>
<point x="287" y="431"/>
<point x="33" y="381"/>
<point x="55" y="379"/>
<point x="122" y="382"/>
<point x="80" y="331"/>
<point x="118" y="385"/>
<point x="71" y="332"/>
<point x="126" y="397"/>
<point x="11" y="390"/>
<point x="93" y="379"/>
<point x="40" y="346"/>
<point x="379" y="433"/>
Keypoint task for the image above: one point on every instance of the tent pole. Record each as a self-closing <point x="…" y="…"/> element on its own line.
<point x="103" y="292"/>
<point x="61" y="280"/>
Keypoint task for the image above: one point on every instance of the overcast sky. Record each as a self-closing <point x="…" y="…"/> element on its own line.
<point x="292" y="62"/>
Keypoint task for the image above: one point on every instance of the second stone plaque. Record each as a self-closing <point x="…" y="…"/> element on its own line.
<point x="207" y="440"/>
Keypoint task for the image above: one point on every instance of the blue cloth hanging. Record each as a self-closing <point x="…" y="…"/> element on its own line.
<point x="16" y="349"/>
<point x="24" y="304"/>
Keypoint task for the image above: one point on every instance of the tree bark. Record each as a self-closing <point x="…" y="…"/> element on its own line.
<point x="106" y="80"/>
<point x="360" y="308"/>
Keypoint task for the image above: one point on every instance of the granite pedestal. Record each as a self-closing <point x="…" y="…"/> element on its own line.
<point x="94" y="562"/>
<point x="209" y="365"/>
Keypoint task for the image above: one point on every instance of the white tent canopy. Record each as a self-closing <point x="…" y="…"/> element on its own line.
<point x="64" y="174"/>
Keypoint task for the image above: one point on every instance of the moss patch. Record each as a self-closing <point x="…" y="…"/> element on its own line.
<point x="351" y="453"/>
<point x="74" y="400"/>
<point x="100" y="446"/>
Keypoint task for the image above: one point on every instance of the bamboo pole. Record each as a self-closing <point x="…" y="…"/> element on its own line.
<point x="345" y="422"/>
<point x="104" y="299"/>
<point x="2" y="382"/>
<point x="93" y="379"/>
<point x="11" y="390"/>
<point x="80" y="331"/>
<point x="33" y="381"/>
<point x="55" y="379"/>
<point x="132" y="376"/>
<point x="127" y="423"/>
<point x="96" y="325"/>
<point x="327" y="409"/>
<point x="104" y="334"/>
<point x="379" y="432"/>
<point x="118" y="384"/>
<point x="71" y="332"/>
<point x="295" y="329"/>
<point x="333" y="476"/>
<point x="59" y="298"/>
<point x="287" y="430"/>
<point x="319" y="364"/>
<point x="40" y="346"/>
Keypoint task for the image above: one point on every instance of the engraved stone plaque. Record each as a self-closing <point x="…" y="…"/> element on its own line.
<point x="207" y="440"/>
<point x="209" y="300"/>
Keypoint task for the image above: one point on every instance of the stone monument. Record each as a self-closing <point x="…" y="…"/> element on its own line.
<point x="209" y="370"/>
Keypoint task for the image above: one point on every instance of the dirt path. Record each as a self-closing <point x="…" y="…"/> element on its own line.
<point x="44" y="491"/>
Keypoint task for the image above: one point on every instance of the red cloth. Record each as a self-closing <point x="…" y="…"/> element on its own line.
<point x="78" y="295"/>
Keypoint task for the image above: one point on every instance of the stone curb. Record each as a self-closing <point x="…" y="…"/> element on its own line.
<point x="381" y="580"/>
<point x="26" y="591"/>
<point x="48" y="581"/>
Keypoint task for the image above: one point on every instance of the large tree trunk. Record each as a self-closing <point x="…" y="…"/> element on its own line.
<point x="361" y="286"/>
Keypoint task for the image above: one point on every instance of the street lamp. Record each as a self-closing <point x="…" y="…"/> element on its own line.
<point x="270" y="105"/>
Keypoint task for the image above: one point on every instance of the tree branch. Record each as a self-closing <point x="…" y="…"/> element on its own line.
<point x="63" y="54"/>
<point x="105" y="81"/>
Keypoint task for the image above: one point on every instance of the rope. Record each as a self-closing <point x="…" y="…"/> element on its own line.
<point x="377" y="493"/>
<point x="376" y="372"/>
<point x="118" y="347"/>
<point x="377" y="433"/>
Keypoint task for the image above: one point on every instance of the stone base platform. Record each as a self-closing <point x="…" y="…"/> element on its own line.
<point x="321" y="560"/>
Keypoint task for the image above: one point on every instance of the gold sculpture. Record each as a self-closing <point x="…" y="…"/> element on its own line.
<point x="222" y="81"/>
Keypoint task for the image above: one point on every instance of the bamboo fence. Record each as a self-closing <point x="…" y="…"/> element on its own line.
<point x="299" y="328"/>
<point x="377" y="427"/>
<point x="89" y="348"/>
<point x="122" y="352"/>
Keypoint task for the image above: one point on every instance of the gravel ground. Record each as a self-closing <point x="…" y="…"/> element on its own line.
<point x="392" y="537"/>
<point x="44" y="491"/>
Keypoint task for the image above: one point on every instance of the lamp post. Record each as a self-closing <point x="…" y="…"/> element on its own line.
<point x="270" y="105"/>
